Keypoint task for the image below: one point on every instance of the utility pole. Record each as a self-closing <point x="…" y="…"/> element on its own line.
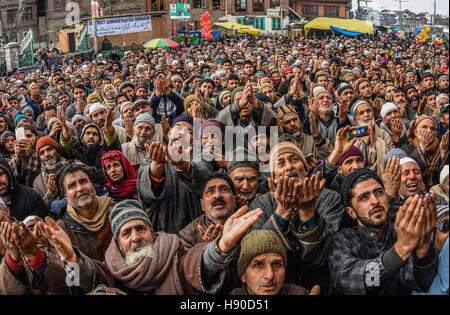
<point x="94" y="13"/>
<point x="281" y="19"/>
<point x="434" y="15"/>
<point x="400" y="3"/>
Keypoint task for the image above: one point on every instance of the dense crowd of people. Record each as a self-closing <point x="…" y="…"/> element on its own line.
<point x="241" y="166"/>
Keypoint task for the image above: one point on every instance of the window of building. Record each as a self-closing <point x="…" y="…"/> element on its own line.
<point x="276" y="24"/>
<point x="259" y="23"/>
<point x="258" y="5"/>
<point x="10" y="16"/>
<point x="60" y="3"/>
<point x="241" y="5"/>
<point x="204" y="4"/>
<point x="331" y="11"/>
<point x="196" y="4"/>
<point x="274" y="3"/>
<point x="28" y="14"/>
<point x="310" y="10"/>
<point x="216" y="4"/>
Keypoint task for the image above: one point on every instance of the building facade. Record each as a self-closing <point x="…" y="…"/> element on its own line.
<point x="30" y="20"/>
<point x="313" y="9"/>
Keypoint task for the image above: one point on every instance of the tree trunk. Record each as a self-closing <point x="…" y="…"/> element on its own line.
<point x="18" y="19"/>
<point x="2" y="32"/>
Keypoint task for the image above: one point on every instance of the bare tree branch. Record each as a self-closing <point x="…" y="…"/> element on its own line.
<point x="18" y="19"/>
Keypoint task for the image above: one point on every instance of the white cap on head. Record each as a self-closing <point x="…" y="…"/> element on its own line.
<point x="386" y="108"/>
<point x="406" y="160"/>
<point x="444" y="174"/>
<point x="95" y="107"/>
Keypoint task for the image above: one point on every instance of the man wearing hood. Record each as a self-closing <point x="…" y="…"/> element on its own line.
<point x="21" y="200"/>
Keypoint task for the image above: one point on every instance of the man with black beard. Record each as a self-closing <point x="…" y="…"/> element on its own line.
<point x="412" y="98"/>
<point x="92" y="142"/>
<point x="378" y="256"/>
<point x="143" y="130"/>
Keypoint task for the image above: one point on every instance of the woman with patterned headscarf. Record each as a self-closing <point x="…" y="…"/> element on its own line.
<point x="120" y="176"/>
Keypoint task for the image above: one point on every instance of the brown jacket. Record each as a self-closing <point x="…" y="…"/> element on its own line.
<point x="26" y="282"/>
<point x="190" y="236"/>
<point x="188" y="268"/>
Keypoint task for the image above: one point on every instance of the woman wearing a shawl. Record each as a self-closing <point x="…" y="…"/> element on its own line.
<point x="120" y="176"/>
<point x="7" y="140"/>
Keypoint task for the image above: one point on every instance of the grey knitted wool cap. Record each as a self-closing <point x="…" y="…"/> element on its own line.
<point x="124" y="211"/>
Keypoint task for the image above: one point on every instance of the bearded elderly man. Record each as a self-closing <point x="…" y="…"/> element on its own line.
<point x="377" y="256"/>
<point x="302" y="212"/>
<point x="406" y="183"/>
<point x="98" y="115"/>
<point x="316" y="143"/>
<point x="141" y="261"/>
<point x="393" y="124"/>
<point x="430" y="153"/>
<point x="144" y="133"/>
<point x="321" y="116"/>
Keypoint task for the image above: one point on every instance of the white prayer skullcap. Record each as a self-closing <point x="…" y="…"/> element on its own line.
<point x="406" y="160"/>
<point x="319" y="89"/>
<point x="95" y="107"/>
<point x="386" y="108"/>
<point x="444" y="174"/>
<point x="442" y="95"/>
<point x="124" y="104"/>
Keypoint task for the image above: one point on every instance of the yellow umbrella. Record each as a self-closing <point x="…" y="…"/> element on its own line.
<point x="240" y="27"/>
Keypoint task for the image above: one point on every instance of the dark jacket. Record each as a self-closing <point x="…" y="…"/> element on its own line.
<point x="360" y="264"/>
<point x="306" y="246"/>
<point x="22" y="200"/>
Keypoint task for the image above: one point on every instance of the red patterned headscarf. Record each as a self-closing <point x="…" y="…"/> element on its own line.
<point x="126" y="187"/>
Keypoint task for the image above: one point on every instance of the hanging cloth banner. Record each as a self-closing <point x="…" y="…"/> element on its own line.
<point x="344" y="31"/>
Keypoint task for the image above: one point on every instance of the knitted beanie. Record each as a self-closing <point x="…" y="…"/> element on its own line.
<point x="76" y="118"/>
<point x="266" y="85"/>
<point x="285" y="147"/>
<point x="139" y="102"/>
<point x="242" y="158"/>
<point x="394" y="152"/>
<point x="95" y="96"/>
<point x="284" y="110"/>
<point x="354" y="151"/>
<point x="91" y="125"/>
<point x="183" y="117"/>
<point x="19" y="116"/>
<point x="256" y="243"/>
<point x="190" y="98"/>
<point x="350" y="179"/>
<point x="145" y="117"/>
<point x="442" y="210"/>
<point x="45" y="141"/>
<point x="212" y="122"/>
<point x="124" y="212"/>
<point x="235" y="90"/>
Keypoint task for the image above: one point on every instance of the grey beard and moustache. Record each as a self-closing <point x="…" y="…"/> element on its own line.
<point x="140" y="141"/>
<point x="325" y="111"/>
<point x="363" y="124"/>
<point x="52" y="161"/>
<point x="131" y="258"/>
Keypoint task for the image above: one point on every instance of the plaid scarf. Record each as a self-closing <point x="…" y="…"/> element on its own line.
<point x="51" y="169"/>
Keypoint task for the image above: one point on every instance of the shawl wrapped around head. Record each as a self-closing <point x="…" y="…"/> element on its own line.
<point x="126" y="188"/>
<point x="158" y="273"/>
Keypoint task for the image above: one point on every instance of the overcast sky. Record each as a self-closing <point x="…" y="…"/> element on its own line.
<point x="412" y="5"/>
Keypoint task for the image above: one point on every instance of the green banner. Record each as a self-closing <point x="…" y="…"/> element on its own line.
<point x="26" y="53"/>
<point x="194" y="38"/>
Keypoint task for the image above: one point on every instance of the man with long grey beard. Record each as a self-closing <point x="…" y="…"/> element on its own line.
<point x="143" y="132"/>
<point x="142" y="261"/>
